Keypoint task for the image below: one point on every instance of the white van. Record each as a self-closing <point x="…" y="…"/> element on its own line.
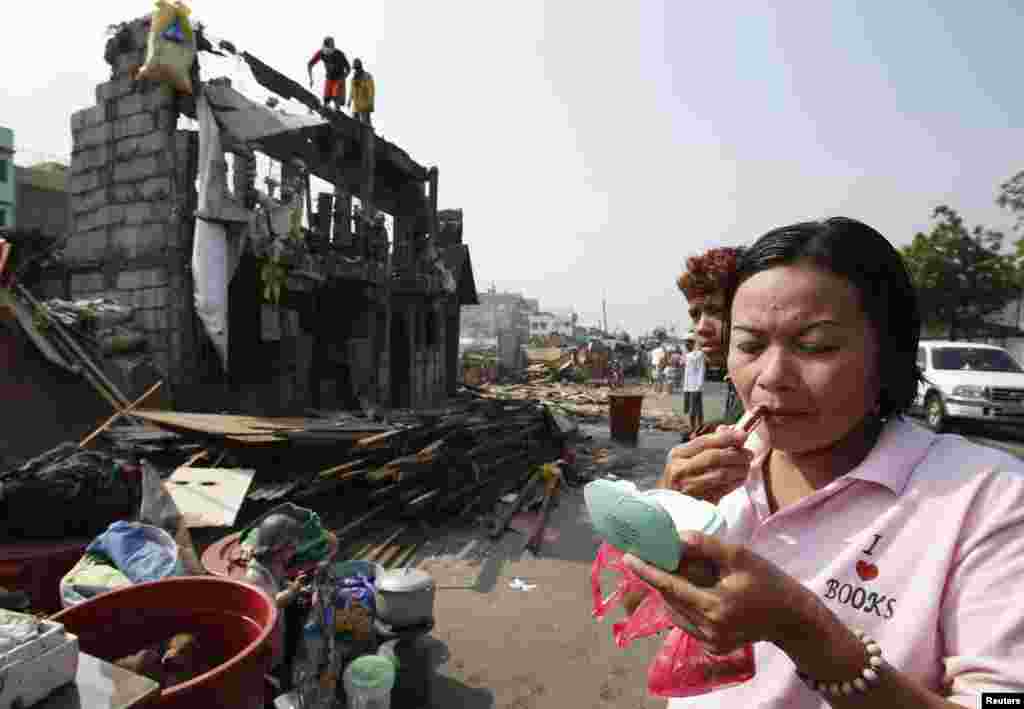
<point x="967" y="380"/>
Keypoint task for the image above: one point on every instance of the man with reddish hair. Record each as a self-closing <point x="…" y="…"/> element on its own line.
<point x="705" y="284"/>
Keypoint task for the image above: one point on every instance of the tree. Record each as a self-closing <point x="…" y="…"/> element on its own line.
<point x="1011" y="198"/>
<point x="961" y="276"/>
<point x="659" y="334"/>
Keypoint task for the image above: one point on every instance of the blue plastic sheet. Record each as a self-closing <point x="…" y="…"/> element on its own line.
<point x="138" y="550"/>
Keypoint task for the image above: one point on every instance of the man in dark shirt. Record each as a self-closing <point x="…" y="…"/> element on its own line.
<point x="337" y="68"/>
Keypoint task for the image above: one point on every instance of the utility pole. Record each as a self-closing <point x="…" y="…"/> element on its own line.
<point x="604" y="308"/>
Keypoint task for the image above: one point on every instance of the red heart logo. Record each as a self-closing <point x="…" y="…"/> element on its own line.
<point x="866" y="571"/>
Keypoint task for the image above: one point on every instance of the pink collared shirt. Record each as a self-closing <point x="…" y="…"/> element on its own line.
<point x="921" y="545"/>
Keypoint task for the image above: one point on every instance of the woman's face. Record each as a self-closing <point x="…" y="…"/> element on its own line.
<point x="801" y="344"/>
<point x="708" y="316"/>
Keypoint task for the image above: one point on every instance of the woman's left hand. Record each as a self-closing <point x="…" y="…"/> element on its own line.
<point x="750" y="600"/>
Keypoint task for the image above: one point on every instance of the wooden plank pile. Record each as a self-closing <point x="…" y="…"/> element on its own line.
<point x="414" y="466"/>
<point x="441" y="460"/>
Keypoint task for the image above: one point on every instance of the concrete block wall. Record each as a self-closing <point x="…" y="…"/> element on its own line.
<point x="182" y="321"/>
<point x="125" y="239"/>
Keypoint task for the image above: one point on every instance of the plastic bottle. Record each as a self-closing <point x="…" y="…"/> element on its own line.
<point x="307" y="662"/>
<point x="368" y="681"/>
<point x="313" y="635"/>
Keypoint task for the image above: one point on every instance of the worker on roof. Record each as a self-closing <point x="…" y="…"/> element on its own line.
<point x="337" y="68"/>
<point x="363" y="93"/>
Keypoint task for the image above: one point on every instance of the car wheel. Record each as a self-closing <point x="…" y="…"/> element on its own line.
<point x="934" y="412"/>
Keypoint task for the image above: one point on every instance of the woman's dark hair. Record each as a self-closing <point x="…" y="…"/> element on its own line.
<point x="858" y="253"/>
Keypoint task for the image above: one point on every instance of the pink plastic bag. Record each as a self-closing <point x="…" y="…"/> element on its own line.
<point x="683" y="667"/>
<point x="650" y="617"/>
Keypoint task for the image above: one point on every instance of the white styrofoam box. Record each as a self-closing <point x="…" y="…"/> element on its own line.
<point x="49" y="635"/>
<point x="28" y="682"/>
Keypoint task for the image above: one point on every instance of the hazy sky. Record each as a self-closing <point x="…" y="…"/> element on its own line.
<point x="593" y="146"/>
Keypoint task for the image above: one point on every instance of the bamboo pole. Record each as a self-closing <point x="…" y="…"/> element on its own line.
<point x="391" y="537"/>
<point x="356" y="523"/>
<point x="69" y="341"/>
<point x="393" y="553"/>
<point x="349" y="467"/>
<point x="403" y="559"/>
<point x="360" y="550"/>
<point x="378" y="556"/>
<point x="128" y="409"/>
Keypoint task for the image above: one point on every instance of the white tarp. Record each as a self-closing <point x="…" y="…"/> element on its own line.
<point x="215" y="255"/>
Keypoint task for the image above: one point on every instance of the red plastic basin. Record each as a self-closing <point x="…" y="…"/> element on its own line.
<point x="232" y="620"/>
<point x="225" y="558"/>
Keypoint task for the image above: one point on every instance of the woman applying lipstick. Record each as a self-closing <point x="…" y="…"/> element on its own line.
<point x="871" y="562"/>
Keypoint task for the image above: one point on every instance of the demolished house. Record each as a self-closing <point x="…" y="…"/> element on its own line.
<point x="264" y="302"/>
<point x="184" y="289"/>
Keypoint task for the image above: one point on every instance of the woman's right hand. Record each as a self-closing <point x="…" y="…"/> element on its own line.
<point x="709" y="467"/>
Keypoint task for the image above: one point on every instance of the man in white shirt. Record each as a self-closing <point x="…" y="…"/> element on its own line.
<point x="693" y="386"/>
<point x="658" y="355"/>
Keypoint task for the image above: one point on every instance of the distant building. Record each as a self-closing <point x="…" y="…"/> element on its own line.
<point x="8" y="194"/>
<point x="496" y="313"/>
<point x="563" y="325"/>
<point x="44" y="203"/>
<point x="542" y="324"/>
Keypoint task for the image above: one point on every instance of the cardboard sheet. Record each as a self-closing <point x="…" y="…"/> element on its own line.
<point x="209" y="497"/>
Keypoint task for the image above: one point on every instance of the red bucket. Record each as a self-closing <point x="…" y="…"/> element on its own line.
<point x="232" y="621"/>
<point x="625" y="416"/>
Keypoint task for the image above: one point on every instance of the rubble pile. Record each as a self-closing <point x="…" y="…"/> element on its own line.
<point x="389" y="474"/>
<point x="587" y="403"/>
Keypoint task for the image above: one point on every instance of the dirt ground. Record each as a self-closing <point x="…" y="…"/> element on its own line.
<point x="496" y="646"/>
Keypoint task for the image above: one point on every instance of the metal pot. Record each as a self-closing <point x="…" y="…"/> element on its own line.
<point x="405" y="597"/>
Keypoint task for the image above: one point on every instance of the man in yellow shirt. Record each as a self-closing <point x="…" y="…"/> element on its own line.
<point x="362" y="94"/>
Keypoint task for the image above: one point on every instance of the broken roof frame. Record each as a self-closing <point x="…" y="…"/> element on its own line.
<point x="323" y="143"/>
<point x="306" y="137"/>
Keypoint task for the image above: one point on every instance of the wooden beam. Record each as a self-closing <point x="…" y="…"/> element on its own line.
<point x="366" y="193"/>
<point x="401" y="161"/>
<point x="433" y="200"/>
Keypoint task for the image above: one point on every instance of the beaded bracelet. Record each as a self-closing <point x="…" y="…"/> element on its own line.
<point x="868" y="676"/>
